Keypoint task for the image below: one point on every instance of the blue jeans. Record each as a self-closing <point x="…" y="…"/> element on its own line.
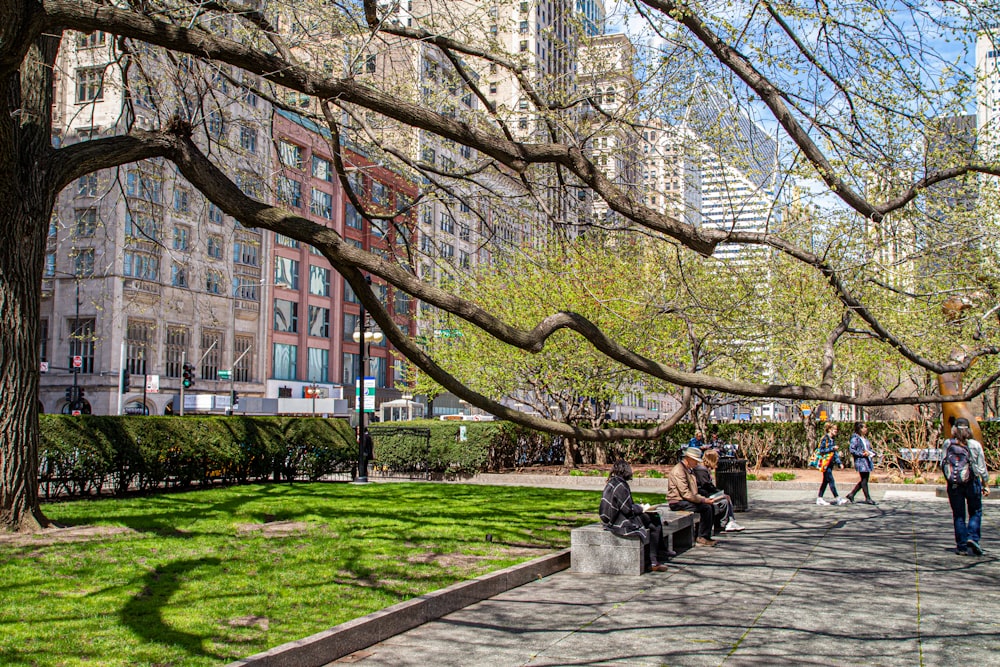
<point x="828" y="481"/>
<point x="962" y="497"/>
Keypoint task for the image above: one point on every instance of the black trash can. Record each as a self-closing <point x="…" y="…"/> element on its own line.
<point x="731" y="477"/>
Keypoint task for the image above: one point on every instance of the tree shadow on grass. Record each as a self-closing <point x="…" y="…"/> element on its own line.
<point x="143" y="614"/>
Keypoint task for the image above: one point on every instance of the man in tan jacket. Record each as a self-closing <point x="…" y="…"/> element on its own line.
<point x="682" y="494"/>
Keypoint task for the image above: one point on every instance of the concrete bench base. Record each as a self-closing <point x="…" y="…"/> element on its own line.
<point x="594" y="550"/>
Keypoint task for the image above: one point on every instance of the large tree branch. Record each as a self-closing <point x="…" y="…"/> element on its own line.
<point x="350" y="261"/>
<point x="71" y="162"/>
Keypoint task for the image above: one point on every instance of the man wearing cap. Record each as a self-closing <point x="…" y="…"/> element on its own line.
<point x="682" y="494"/>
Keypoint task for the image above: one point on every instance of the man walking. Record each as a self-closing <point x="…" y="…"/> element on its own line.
<point x="682" y="494"/>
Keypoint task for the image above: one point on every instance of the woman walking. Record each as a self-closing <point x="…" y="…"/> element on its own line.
<point x="861" y="450"/>
<point x="828" y="457"/>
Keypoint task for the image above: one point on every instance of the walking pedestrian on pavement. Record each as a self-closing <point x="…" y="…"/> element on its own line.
<point x="624" y="517"/>
<point x="682" y="494"/>
<point x="829" y="457"/>
<point x="861" y="450"/>
<point x="964" y="467"/>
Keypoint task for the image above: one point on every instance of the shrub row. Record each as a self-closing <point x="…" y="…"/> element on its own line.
<point x="88" y="454"/>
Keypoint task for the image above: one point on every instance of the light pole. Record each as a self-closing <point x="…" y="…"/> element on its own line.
<point x="364" y="338"/>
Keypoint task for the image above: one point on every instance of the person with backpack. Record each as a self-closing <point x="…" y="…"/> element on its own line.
<point x="828" y="456"/>
<point x="964" y="468"/>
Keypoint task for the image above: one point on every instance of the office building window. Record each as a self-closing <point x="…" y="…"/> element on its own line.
<point x="246" y="252"/>
<point x="138" y="336"/>
<point x="352" y="218"/>
<point x="43" y="340"/>
<point x="211" y="350"/>
<point x="349" y="371"/>
<point x="81" y="342"/>
<point x="319" y="281"/>
<point x="290" y="154"/>
<point x="286" y="241"/>
<point x="284" y="361"/>
<point x="350" y="326"/>
<point x="321" y="204"/>
<point x="321" y="169"/>
<point x="244" y="358"/>
<point x="401" y="303"/>
<point x="83" y="261"/>
<point x="319" y="322"/>
<point x="286" y="316"/>
<point x="214" y="214"/>
<point x="182" y="236"/>
<point x="182" y="200"/>
<point x="87" y="185"/>
<point x="286" y="273"/>
<point x="90" y="40"/>
<point x="178" y="275"/>
<point x="142" y="265"/>
<point x="289" y="191"/>
<point x="177" y="342"/>
<point x="89" y="84"/>
<point x="248" y="139"/>
<point x="213" y="282"/>
<point x="214" y="247"/>
<point x="86" y="222"/>
<point x="319" y="364"/>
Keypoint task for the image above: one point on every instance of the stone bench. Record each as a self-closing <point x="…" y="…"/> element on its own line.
<point x="595" y="550"/>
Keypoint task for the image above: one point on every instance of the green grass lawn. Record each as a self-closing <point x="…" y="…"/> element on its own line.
<point x="204" y="577"/>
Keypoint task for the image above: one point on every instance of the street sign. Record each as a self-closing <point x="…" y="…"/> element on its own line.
<point x="369" y="393"/>
<point x="45" y="367"/>
<point x="75" y="413"/>
<point x="152" y="384"/>
<point x="225" y="374"/>
<point x="77" y="361"/>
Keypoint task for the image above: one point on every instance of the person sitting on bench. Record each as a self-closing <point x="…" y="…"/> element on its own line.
<point x="725" y="520"/>
<point x="626" y="518"/>
<point x="682" y="494"/>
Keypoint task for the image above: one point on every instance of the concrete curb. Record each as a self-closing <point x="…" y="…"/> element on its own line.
<point x="354" y="635"/>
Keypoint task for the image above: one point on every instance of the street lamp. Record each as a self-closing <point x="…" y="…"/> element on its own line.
<point x="364" y="338"/>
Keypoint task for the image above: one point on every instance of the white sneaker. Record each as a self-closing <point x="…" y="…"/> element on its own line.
<point x="840" y="501"/>
<point x="820" y="501"/>
<point x="733" y="527"/>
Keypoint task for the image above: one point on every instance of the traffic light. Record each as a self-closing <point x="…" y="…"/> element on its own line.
<point x="82" y="394"/>
<point x="188" y="381"/>
<point x="234" y="398"/>
<point x="72" y="394"/>
<point x="126" y="381"/>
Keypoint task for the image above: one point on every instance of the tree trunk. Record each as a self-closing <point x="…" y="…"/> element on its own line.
<point x="21" y="265"/>
<point x="26" y="202"/>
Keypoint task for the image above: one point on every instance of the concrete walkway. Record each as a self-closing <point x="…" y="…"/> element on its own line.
<point x="803" y="585"/>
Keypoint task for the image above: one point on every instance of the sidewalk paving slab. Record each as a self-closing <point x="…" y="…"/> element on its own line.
<point x="803" y="585"/>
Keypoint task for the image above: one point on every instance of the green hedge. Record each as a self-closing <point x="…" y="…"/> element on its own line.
<point x="444" y="453"/>
<point x="92" y="453"/>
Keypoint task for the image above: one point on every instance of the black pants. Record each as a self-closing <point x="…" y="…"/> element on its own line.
<point x="706" y="514"/>
<point x="862" y="486"/>
<point x="651" y="520"/>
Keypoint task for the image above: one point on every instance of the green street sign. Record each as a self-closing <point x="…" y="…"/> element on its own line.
<point x="225" y="374"/>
